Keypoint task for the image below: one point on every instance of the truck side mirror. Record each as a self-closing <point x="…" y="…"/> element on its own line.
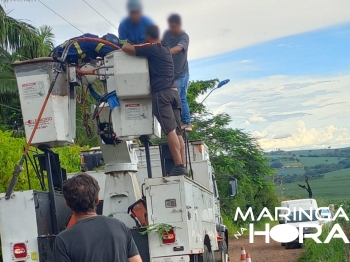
<point x="232" y="187"/>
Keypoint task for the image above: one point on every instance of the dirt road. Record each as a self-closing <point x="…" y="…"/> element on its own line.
<point x="261" y="252"/>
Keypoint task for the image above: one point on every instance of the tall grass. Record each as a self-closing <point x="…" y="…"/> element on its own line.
<point x="334" y="251"/>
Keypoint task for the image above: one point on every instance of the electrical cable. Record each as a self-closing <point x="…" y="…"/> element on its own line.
<point x="61" y="17"/>
<point x="28" y="176"/>
<point x="187" y="153"/>
<point x="99" y="112"/>
<point x="11" y="107"/>
<point x="100" y="14"/>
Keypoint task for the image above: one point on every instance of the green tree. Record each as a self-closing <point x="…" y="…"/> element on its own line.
<point x="276" y="164"/>
<point x="18" y="41"/>
<point x="9" y="100"/>
<point x="17" y="35"/>
<point x="46" y="37"/>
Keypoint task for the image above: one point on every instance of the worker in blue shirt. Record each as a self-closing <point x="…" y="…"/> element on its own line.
<point x="132" y="29"/>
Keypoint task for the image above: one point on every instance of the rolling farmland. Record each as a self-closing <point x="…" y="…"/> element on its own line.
<point x="331" y="185"/>
<point x="334" y="185"/>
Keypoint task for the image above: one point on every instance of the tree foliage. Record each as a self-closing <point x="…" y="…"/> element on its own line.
<point x="276" y="164"/>
<point x="11" y="150"/>
<point x="16" y="35"/>
<point x="18" y="41"/>
<point x="46" y="37"/>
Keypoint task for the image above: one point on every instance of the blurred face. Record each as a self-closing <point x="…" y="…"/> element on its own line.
<point x="135" y="16"/>
<point x="150" y="39"/>
<point x="175" y="28"/>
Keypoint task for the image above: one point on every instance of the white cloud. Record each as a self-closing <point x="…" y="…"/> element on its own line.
<point x="289" y="112"/>
<point x="259" y="134"/>
<point x="256" y="118"/>
<point x="246" y="62"/>
<point x="308" y="138"/>
<point x="247" y="123"/>
<point x="214" y="26"/>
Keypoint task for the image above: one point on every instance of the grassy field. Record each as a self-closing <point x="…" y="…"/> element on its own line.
<point x="313" y="161"/>
<point x="290" y="171"/>
<point x="334" y="185"/>
<point x="316" y="151"/>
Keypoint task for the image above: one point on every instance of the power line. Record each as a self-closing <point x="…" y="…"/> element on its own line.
<point x="100" y="14"/>
<point x="61" y="17"/>
<point x="10" y="107"/>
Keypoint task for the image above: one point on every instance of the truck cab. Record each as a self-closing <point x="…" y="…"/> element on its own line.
<point x="302" y="211"/>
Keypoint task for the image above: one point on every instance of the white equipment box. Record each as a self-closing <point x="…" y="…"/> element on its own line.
<point x="57" y="125"/>
<point x="186" y="205"/>
<point x="26" y="221"/>
<point x="132" y="119"/>
<point x="131" y="81"/>
<point x="131" y="75"/>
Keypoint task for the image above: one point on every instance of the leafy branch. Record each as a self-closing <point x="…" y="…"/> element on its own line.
<point x="308" y="188"/>
<point x="158" y="228"/>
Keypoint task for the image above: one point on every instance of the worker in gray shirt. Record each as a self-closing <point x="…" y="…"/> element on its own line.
<point x="92" y="238"/>
<point x="178" y="42"/>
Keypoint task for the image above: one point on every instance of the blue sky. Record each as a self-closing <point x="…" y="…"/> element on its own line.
<point x="288" y="61"/>
<point x="291" y="92"/>
<point x="320" y="53"/>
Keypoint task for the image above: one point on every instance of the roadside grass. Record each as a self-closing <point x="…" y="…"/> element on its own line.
<point x="334" y="251"/>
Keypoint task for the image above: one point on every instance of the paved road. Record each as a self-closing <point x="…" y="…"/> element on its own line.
<point x="262" y="252"/>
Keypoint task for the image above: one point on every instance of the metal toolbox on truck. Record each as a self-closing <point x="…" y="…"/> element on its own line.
<point x="57" y="126"/>
<point x="131" y="75"/>
<point x="188" y="207"/>
<point x="132" y="119"/>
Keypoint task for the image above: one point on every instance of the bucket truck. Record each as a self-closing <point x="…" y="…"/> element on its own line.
<point x="137" y="189"/>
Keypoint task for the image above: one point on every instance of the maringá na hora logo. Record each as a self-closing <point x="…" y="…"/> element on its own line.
<point x="298" y="224"/>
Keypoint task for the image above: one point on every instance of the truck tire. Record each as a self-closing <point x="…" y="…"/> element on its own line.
<point x="283" y="244"/>
<point x="288" y="245"/>
<point x="207" y="255"/>
<point x="224" y="251"/>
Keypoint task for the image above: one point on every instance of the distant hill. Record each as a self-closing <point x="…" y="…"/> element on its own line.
<point x="328" y="171"/>
<point x="305" y="152"/>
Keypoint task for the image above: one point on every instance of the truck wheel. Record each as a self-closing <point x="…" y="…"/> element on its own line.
<point x="288" y="246"/>
<point x="208" y="256"/>
<point x="224" y="251"/>
<point x="283" y="244"/>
